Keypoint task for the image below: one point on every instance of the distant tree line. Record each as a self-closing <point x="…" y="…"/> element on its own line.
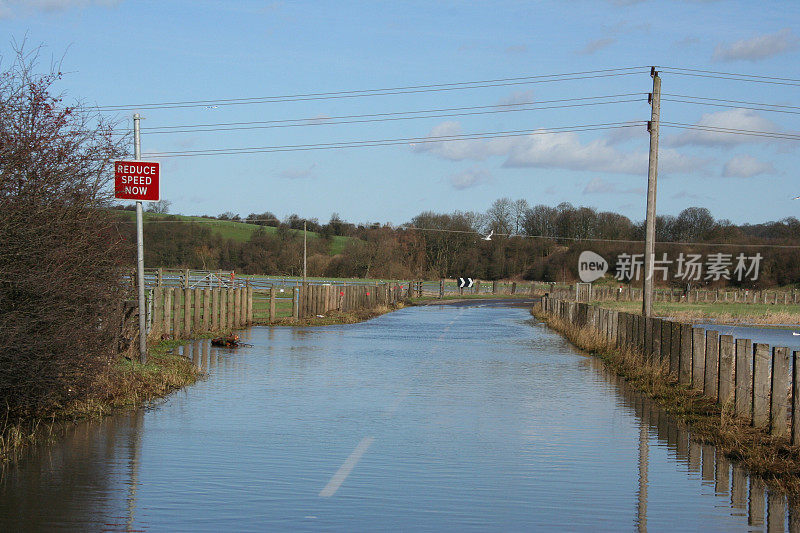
<point x="534" y="243"/>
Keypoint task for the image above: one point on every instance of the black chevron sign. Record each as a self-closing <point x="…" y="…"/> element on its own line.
<point x="464" y="282"/>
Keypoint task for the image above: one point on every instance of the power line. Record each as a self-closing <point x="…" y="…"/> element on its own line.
<point x="733" y="131"/>
<point x="715" y="72"/>
<point x="500" y="82"/>
<point x="389" y="142"/>
<point x="731" y="106"/>
<point x="734" y="77"/>
<point x="730" y="101"/>
<point x="391" y="116"/>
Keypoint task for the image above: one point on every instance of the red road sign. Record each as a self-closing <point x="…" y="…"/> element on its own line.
<point x="136" y="180"/>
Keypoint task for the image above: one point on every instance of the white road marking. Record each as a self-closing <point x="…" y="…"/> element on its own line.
<point x="344" y="471"/>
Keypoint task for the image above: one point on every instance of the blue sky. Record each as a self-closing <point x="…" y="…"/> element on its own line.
<point x="136" y="52"/>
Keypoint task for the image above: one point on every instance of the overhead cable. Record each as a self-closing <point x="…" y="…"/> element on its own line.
<point x="500" y="82"/>
<point x="388" y="142"/>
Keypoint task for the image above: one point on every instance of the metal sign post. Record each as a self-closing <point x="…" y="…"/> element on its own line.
<point x="138" y="180"/>
<point x="137" y="154"/>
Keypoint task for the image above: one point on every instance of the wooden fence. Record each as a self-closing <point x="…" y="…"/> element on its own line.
<point x="182" y="312"/>
<point x="760" y="383"/>
<point x="312" y="300"/>
<point x="627" y="293"/>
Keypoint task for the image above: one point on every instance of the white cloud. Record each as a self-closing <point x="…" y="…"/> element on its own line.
<point x="758" y="47"/>
<point x="545" y="149"/>
<point x="596" y="45"/>
<point x="469" y="178"/>
<point x="623" y="135"/>
<point x="471" y="149"/>
<point x="741" y="119"/>
<point x="746" y="166"/>
<point x="517" y="97"/>
<point x="298" y="173"/>
<point x="565" y="150"/>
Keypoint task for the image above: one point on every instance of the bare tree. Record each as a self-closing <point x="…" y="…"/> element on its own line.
<point x="501" y="216"/>
<point x="60" y="271"/>
<point x="160" y="207"/>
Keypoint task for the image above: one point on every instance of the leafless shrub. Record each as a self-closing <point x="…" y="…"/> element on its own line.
<point x="60" y="272"/>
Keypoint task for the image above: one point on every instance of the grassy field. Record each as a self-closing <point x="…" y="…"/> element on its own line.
<point x="238" y="231"/>
<point x="733" y="313"/>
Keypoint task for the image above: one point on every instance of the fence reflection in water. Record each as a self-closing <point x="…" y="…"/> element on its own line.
<point x="746" y="495"/>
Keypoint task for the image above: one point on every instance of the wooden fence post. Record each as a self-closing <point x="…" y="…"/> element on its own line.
<point x="296" y="302"/>
<point x="249" y="304"/>
<point x="698" y="358"/>
<point x="230" y="310"/>
<point x="743" y="397"/>
<point x="207" y="310"/>
<point x="685" y="372"/>
<point x="778" y="396"/>
<point x="675" y="353"/>
<point x="187" y="311"/>
<point x="215" y="309"/>
<point x="711" y="377"/>
<point x="177" y="316"/>
<point x="666" y="343"/>
<point x="167" y="310"/>
<point x="237" y="307"/>
<point x="655" y="341"/>
<point x="198" y="309"/>
<point x="223" y="309"/>
<point x="158" y="312"/>
<point x="762" y="382"/>
<point x="272" y="307"/>
<point x="726" y="369"/>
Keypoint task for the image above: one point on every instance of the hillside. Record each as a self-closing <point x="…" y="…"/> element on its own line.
<point x="229" y="229"/>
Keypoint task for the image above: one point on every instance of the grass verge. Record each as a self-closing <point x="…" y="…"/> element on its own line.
<point x="332" y="317"/>
<point x="763" y="455"/>
<point x="723" y="313"/>
<point x="126" y="384"/>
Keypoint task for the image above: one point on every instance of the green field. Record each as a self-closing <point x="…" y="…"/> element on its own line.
<point x="231" y="229"/>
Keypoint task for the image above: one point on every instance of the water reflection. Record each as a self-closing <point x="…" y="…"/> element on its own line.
<point x="748" y="495"/>
<point x="501" y="426"/>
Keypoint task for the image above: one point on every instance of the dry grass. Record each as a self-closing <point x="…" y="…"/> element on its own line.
<point x="762" y="454"/>
<point x="337" y="317"/>
<point x="725" y="313"/>
<point x="125" y="384"/>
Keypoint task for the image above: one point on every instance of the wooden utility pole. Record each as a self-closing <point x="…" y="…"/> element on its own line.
<point x="652" y="174"/>
<point x="304" y="251"/>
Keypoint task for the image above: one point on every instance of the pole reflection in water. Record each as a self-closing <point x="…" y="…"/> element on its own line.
<point x="641" y="510"/>
<point x="761" y="506"/>
<point x="137" y="418"/>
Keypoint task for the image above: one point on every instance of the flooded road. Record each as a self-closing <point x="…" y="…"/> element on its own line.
<point x="439" y="418"/>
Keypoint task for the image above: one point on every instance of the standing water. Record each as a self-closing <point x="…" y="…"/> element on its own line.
<point x="429" y="418"/>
